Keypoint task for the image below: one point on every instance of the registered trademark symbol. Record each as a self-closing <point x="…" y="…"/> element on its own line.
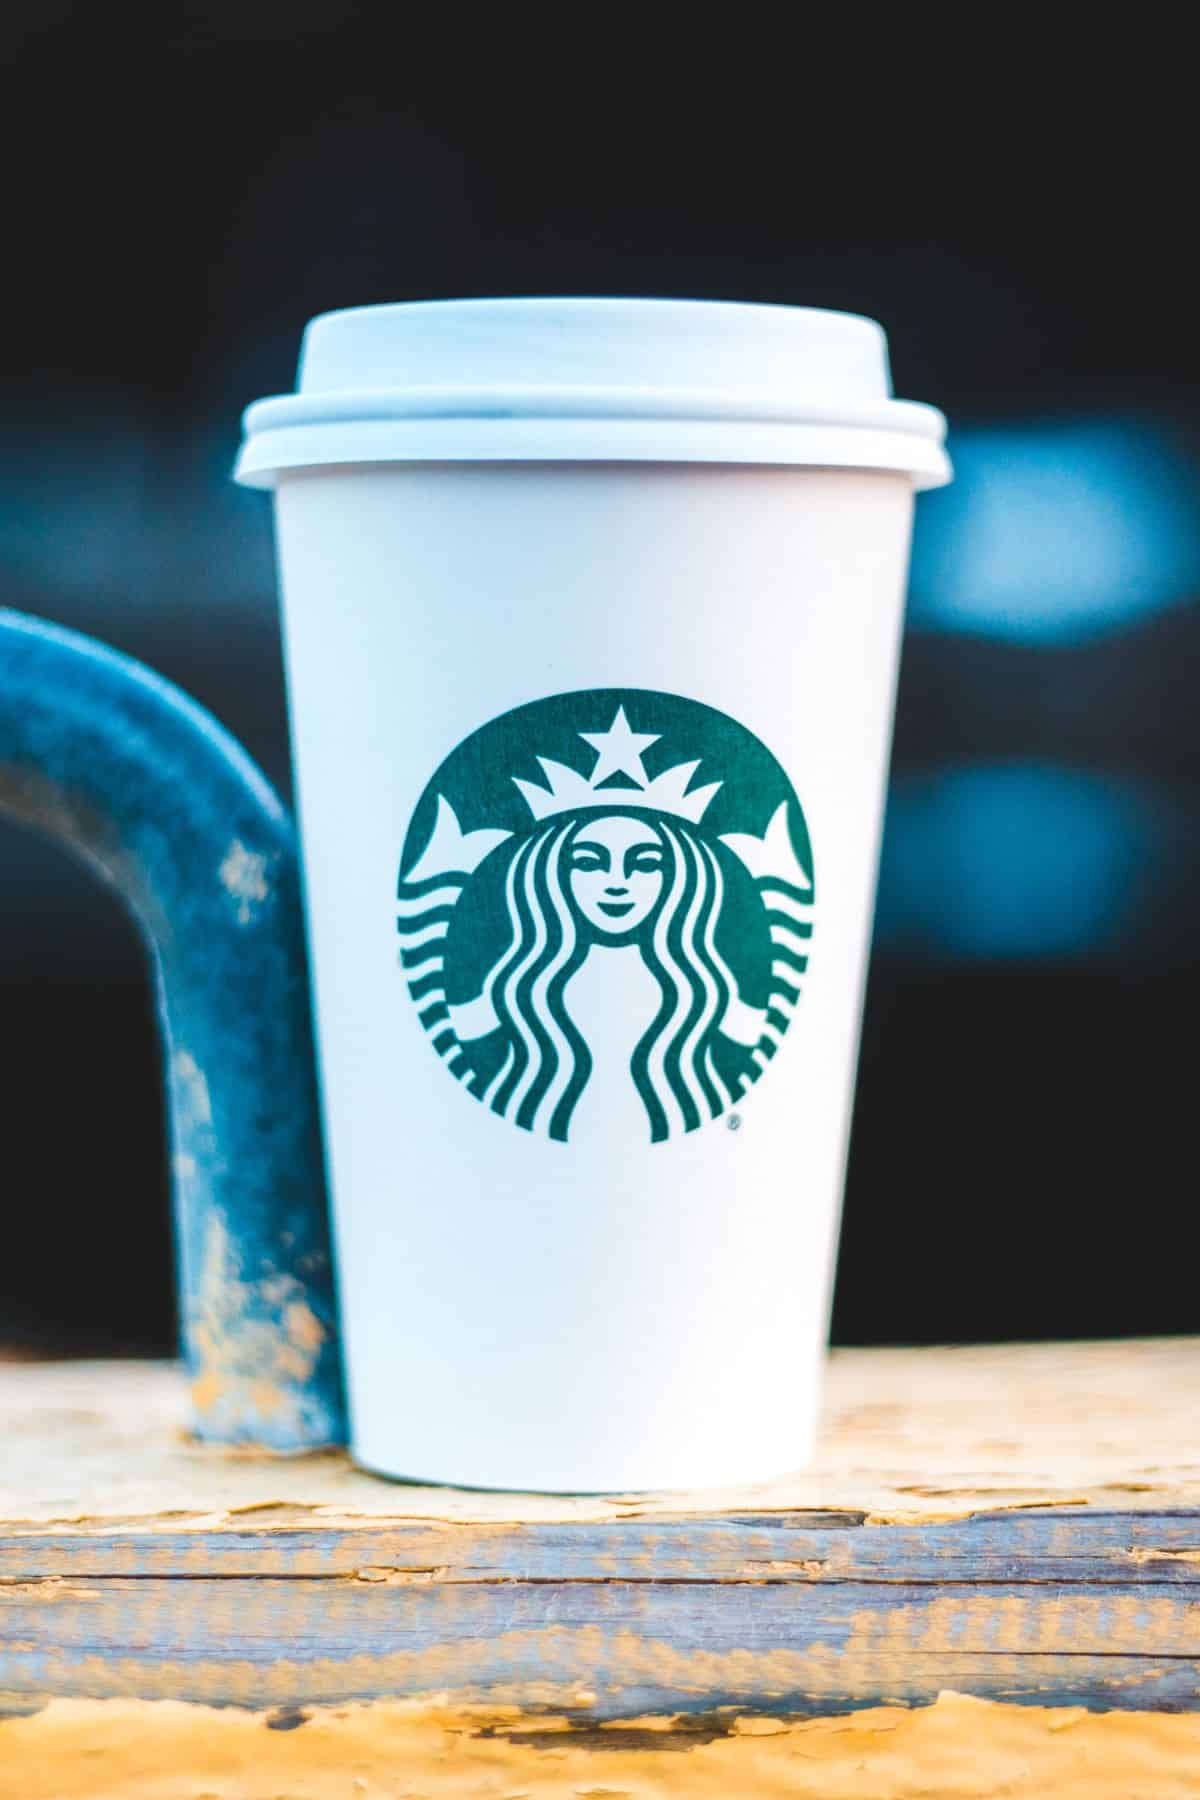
<point x="734" y="1122"/>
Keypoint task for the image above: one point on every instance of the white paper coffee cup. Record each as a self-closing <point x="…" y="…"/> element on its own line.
<point x="592" y="611"/>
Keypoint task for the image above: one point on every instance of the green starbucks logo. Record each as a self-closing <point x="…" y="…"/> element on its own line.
<point x="605" y="907"/>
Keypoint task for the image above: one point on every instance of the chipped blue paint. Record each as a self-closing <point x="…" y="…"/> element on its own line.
<point x="148" y="788"/>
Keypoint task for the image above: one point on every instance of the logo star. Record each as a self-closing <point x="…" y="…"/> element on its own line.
<point x="619" y="750"/>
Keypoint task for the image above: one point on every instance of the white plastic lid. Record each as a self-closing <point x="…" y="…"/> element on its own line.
<point x="593" y="380"/>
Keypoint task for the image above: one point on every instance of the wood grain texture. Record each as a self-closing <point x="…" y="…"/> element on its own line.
<point x="1020" y="1525"/>
<point x="602" y="1649"/>
<point x="910" y="1435"/>
<point x="1072" y="1545"/>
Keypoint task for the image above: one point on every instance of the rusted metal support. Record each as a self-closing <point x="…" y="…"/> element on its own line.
<point x="148" y="788"/>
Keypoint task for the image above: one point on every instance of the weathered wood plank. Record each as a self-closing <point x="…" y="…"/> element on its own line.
<point x="956" y="1749"/>
<point x="1019" y="1546"/>
<point x="1022" y="1524"/>
<point x="610" y="1648"/>
<point x="913" y="1435"/>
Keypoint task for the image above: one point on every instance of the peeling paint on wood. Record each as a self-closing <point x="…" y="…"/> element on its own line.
<point x="959" y="1748"/>
<point x="644" y="1644"/>
<point x="747" y="1549"/>
<point x="636" y="1646"/>
<point x="98" y="1447"/>
<point x="1158" y="1553"/>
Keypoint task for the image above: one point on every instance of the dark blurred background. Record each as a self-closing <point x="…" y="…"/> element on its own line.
<point x="186" y="186"/>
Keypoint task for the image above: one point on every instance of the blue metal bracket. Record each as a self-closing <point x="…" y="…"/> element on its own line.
<point x="146" y="786"/>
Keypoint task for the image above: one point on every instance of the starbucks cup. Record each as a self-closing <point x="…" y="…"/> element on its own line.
<point x="591" y="614"/>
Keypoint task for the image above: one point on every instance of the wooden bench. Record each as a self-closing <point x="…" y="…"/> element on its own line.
<point x="988" y="1583"/>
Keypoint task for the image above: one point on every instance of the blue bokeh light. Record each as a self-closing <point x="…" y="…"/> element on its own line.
<point x="1057" y="531"/>
<point x="1017" y="861"/>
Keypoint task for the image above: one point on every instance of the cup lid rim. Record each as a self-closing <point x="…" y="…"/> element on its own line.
<point x="697" y="366"/>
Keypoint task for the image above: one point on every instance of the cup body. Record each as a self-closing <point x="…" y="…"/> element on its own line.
<point x="611" y="1294"/>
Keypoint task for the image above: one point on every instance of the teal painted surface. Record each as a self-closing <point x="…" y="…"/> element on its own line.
<point x="147" y="787"/>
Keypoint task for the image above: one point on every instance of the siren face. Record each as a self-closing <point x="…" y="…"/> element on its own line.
<point x="616" y="873"/>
